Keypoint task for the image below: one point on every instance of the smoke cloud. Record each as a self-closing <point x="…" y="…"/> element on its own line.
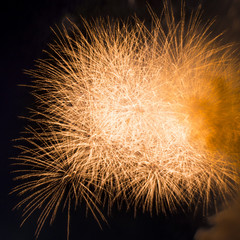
<point x="224" y="226"/>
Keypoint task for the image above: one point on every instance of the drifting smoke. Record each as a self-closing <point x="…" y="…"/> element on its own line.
<point x="225" y="225"/>
<point x="148" y="118"/>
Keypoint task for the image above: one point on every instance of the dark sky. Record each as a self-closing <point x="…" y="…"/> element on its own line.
<point x="25" y="31"/>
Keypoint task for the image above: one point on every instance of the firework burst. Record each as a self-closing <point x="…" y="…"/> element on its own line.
<point x="126" y="114"/>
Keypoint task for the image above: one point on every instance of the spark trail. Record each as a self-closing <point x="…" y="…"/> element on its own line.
<point x="126" y="114"/>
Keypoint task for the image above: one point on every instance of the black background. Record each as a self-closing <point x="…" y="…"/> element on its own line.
<point x="25" y="32"/>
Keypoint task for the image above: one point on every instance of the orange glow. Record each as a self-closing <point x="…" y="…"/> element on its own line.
<point x="127" y="114"/>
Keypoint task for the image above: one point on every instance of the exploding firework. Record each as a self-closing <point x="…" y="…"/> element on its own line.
<point x="127" y="114"/>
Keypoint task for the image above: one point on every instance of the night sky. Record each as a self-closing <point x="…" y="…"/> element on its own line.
<point x="25" y="32"/>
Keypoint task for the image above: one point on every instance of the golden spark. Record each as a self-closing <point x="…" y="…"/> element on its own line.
<point x="149" y="118"/>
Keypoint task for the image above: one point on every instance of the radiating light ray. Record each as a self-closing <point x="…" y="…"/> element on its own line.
<point x="149" y="118"/>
